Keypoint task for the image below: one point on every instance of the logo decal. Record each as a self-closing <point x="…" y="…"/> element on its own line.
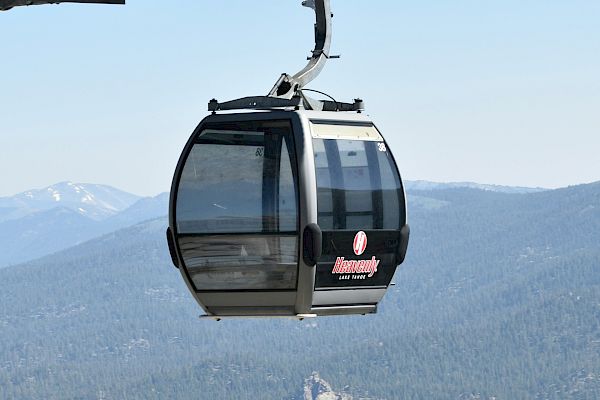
<point x="360" y="243"/>
<point x="356" y="269"/>
<point x="343" y="266"/>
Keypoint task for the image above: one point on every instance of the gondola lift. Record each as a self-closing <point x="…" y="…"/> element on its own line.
<point x="287" y="206"/>
<point x="283" y="205"/>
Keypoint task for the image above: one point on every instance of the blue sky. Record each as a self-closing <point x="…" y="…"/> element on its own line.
<point x="504" y="92"/>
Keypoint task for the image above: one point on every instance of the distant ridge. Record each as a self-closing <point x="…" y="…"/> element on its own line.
<point x="39" y="222"/>
<point x="93" y="201"/>
<point x="428" y="185"/>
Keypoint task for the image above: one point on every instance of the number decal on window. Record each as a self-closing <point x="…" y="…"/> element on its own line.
<point x="381" y="147"/>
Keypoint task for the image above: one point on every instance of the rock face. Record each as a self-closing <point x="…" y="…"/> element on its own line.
<point x="316" y="388"/>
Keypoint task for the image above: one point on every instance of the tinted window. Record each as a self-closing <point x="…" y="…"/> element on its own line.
<point x="358" y="186"/>
<point x="236" y="210"/>
<point x="238" y="181"/>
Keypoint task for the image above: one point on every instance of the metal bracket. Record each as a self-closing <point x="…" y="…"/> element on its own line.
<point x="287" y="86"/>
<point x="299" y="317"/>
<point x="256" y="103"/>
<point x="299" y="102"/>
<point x="8" y="4"/>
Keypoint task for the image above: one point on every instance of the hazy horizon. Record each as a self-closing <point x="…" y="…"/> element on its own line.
<point x="125" y="189"/>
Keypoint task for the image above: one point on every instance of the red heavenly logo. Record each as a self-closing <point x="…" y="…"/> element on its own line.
<point x="369" y="267"/>
<point x="360" y="243"/>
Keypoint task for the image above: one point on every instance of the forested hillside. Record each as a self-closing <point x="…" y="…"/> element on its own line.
<point x="499" y="298"/>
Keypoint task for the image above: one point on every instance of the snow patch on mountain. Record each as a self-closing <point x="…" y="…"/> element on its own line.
<point x="66" y="224"/>
<point x="97" y="202"/>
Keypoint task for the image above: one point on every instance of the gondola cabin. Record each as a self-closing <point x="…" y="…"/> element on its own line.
<point x="287" y="213"/>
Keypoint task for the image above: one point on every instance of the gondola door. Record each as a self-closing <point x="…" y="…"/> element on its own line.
<point x="236" y="214"/>
<point x="361" y="212"/>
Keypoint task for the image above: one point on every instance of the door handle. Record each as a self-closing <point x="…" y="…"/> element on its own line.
<point x="404" y="235"/>
<point x="172" y="251"/>
<point x="312" y="244"/>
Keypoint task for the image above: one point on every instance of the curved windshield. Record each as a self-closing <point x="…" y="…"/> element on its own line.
<point x="358" y="186"/>
<point x="360" y="207"/>
<point x="236" y="209"/>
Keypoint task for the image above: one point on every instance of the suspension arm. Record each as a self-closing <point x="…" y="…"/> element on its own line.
<point x="287" y="86"/>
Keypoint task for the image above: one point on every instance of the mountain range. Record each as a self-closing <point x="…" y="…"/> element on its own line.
<point x="428" y="185"/>
<point x="499" y="298"/>
<point x="96" y="202"/>
<point x="40" y="222"/>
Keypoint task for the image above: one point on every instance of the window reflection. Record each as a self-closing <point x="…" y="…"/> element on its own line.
<point x="358" y="186"/>
<point x="236" y="210"/>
